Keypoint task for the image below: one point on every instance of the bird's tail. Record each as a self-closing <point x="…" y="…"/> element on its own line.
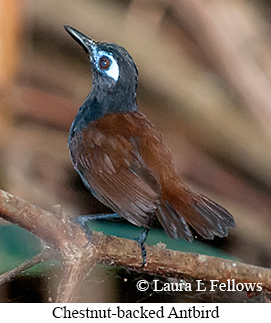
<point x="181" y="207"/>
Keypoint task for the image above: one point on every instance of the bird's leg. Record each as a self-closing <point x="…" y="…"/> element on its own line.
<point x="83" y="219"/>
<point x="141" y="240"/>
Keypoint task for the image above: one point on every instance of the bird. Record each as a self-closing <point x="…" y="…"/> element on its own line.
<point x="123" y="159"/>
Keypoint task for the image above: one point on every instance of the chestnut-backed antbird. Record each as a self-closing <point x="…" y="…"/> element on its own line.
<point x="123" y="159"/>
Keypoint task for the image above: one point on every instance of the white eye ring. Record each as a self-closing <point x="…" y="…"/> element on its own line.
<point x="113" y="69"/>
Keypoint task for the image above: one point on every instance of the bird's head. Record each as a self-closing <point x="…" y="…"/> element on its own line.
<point x="113" y="70"/>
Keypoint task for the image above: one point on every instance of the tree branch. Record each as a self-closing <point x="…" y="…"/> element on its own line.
<point x="41" y="257"/>
<point x="78" y="257"/>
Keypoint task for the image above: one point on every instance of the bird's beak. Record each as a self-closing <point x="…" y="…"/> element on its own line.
<point x="87" y="43"/>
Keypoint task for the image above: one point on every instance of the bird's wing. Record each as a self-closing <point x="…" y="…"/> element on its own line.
<point x="111" y="167"/>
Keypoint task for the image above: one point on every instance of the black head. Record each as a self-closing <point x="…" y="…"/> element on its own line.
<point x="114" y="74"/>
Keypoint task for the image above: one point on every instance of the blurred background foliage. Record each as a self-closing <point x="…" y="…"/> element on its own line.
<point x="204" y="80"/>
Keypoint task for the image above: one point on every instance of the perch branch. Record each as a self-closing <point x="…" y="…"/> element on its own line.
<point x="78" y="258"/>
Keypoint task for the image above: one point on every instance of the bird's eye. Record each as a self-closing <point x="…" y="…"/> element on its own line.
<point x="104" y="63"/>
<point x="107" y="65"/>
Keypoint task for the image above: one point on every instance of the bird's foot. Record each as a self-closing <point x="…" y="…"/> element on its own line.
<point x="83" y="219"/>
<point x="141" y="240"/>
